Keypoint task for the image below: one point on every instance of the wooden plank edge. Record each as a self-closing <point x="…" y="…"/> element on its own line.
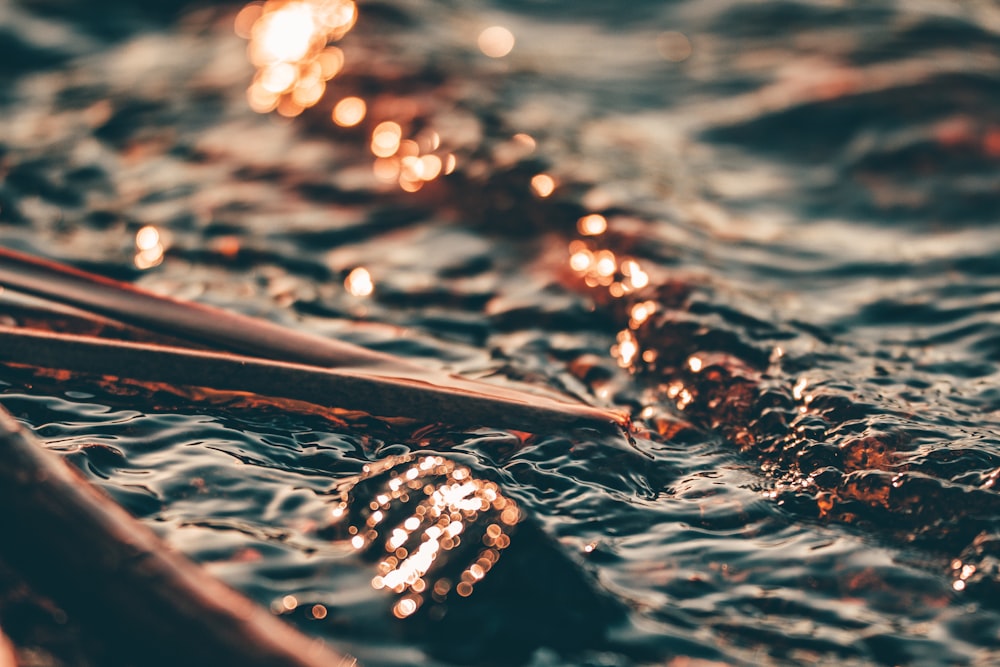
<point x="117" y="578"/>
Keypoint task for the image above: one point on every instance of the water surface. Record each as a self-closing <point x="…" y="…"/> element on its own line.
<point x="796" y="297"/>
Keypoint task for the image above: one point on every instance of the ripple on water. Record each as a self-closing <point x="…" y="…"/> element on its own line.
<point x="814" y="379"/>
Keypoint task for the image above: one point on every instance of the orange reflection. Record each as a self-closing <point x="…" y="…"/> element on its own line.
<point x="386" y="169"/>
<point x="385" y="139"/>
<point x="447" y="508"/>
<point x="349" y="111"/>
<point x="410" y="163"/>
<point x="627" y="348"/>
<point x="592" y="225"/>
<point x="640" y="313"/>
<point x="543" y="185"/>
<point x="289" y="46"/>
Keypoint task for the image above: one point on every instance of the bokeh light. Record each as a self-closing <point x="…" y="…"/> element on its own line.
<point x="592" y="225"/>
<point x="543" y="185"/>
<point x="149" y="248"/>
<point x="359" y="282"/>
<point x="496" y="41"/>
<point x="349" y="111"/>
<point x="289" y="45"/>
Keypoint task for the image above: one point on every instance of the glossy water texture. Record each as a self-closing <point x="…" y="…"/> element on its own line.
<point x="796" y="294"/>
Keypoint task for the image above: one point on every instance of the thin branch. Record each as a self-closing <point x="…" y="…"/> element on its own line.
<point x="78" y="547"/>
<point x="246" y="335"/>
<point x="349" y="389"/>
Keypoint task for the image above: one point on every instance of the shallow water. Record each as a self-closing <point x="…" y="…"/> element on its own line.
<point x="808" y="333"/>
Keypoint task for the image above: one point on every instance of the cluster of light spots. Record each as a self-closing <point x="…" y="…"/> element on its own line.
<point x="603" y="268"/>
<point x="359" y="282"/>
<point x="626" y="349"/>
<point x="449" y="501"/>
<point x="289" y="46"/>
<point x="148" y="248"/>
<point x="543" y="185"/>
<point x="289" y="603"/>
<point x="680" y="394"/>
<point x="496" y="41"/>
<point x="635" y="277"/>
<point x="962" y="573"/>
<point x="349" y="111"/>
<point x="410" y="162"/>
<point x="285" y="604"/>
<point x="641" y="312"/>
<point x="621" y="276"/>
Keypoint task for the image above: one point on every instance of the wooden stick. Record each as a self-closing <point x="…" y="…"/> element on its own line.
<point x="114" y="576"/>
<point x="353" y="390"/>
<point x="260" y="338"/>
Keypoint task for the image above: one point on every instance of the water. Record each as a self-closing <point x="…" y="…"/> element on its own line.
<point x="808" y="338"/>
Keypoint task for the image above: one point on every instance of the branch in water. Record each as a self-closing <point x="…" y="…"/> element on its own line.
<point x="82" y="550"/>
<point x="246" y="335"/>
<point x="353" y="390"/>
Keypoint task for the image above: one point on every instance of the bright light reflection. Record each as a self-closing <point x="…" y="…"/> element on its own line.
<point x="543" y="185"/>
<point x="626" y="349"/>
<point x="449" y="507"/>
<point x="606" y="265"/>
<point x="592" y="225"/>
<point x="147" y="238"/>
<point x="581" y="260"/>
<point x="496" y="41"/>
<point x="359" y="282"/>
<point x="289" y="46"/>
<point x="149" y="248"/>
<point x="385" y="139"/>
<point x="349" y="111"/>
<point x="641" y="312"/>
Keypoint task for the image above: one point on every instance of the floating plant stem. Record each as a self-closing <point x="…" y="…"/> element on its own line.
<point x="238" y="333"/>
<point x="349" y="389"/>
<point x="114" y="576"/>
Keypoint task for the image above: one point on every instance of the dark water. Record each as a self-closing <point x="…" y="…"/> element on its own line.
<point x="807" y="335"/>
